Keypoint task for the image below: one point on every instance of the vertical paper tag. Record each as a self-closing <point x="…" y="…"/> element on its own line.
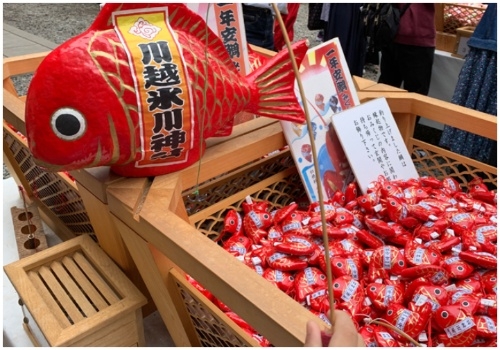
<point x="229" y="23"/>
<point x="162" y="87"/>
<point x="339" y="78"/>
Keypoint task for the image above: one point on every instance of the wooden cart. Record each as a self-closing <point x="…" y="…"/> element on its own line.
<point x="159" y="229"/>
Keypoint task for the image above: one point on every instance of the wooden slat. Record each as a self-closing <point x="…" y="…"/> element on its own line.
<point x="13" y="111"/>
<point x="445" y="42"/>
<point x="362" y="83"/>
<point x="221" y="205"/>
<point x="242" y="129"/>
<point x="443" y="112"/>
<point x="156" y="284"/>
<point x="22" y="64"/>
<point x="55" y="309"/>
<point x="439" y="17"/>
<point x="234" y="153"/>
<point x="120" y="333"/>
<point x="72" y="289"/>
<point x="60" y="294"/>
<point x="84" y="283"/>
<point x="106" y="234"/>
<point x="214" y="311"/>
<point x="53" y="221"/>
<point x="96" y="180"/>
<point x="101" y="285"/>
<point x="473" y="121"/>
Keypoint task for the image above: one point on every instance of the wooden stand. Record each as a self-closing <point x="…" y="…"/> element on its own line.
<point x="77" y="296"/>
<point x="28" y="222"/>
<point x="152" y="227"/>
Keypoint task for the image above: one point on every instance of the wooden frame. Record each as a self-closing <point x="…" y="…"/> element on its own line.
<point x="78" y="296"/>
<point x="143" y="224"/>
<point x="160" y="219"/>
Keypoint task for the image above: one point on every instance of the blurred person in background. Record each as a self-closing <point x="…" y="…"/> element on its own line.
<point x="344" y="21"/>
<point x="289" y="20"/>
<point x="477" y="89"/>
<point x="408" y="59"/>
<point x="259" y="23"/>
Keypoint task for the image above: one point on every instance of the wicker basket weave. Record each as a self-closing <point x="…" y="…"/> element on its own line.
<point x="55" y="192"/>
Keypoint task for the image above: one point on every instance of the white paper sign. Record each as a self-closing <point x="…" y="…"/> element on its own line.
<point x="373" y="144"/>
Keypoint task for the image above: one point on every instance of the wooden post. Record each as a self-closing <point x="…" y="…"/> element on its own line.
<point x="108" y="237"/>
<point x="439" y="17"/>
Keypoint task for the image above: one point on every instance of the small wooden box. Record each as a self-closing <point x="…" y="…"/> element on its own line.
<point x="463" y="36"/>
<point x="78" y="296"/>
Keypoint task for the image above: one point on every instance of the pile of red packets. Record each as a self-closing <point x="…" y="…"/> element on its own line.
<point x="419" y="255"/>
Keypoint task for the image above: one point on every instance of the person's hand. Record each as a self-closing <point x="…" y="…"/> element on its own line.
<point x="344" y="332"/>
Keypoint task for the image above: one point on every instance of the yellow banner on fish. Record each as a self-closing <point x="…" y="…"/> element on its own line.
<point x="161" y="83"/>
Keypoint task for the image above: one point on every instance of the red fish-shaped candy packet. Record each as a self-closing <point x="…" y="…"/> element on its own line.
<point x="489" y="279"/>
<point x="410" y="322"/>
<point x="436" y="296"/>
<point x="417" y="254"/>
<point x="284" y="212"/>
<point x="486" y="326"/>
<point x="384" y="338"/>
<point x="295" y="245"/>
<point x="282" y="279"/>
<point x="307" y="281"/>
<point x="238" y="245"/>
<point x="456" y="267"/>
<point x="459" y="328"/>
<point x="434" y="273"/>
<point x="285" y="262"/>
<point x="478" y="190"/>
<point x="318" y="300"/>
<point x="389" y="258"/>
<point x="233" y="223"/>
<point x="382" y="295"/>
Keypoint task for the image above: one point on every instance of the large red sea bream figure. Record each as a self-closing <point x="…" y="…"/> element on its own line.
<point x="142" y="89"/>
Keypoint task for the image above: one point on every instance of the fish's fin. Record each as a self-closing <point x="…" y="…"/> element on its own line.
<point x="180" y="18"/>
<point x="184" y="19"/>
<point x="273" y="86"/>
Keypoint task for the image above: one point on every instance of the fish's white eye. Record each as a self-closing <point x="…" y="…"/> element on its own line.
<point x="68" y="124"/>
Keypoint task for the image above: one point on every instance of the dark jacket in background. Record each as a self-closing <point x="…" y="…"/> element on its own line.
<point x="411" y="31"/>
<point x="345" y="22"/>
<point x="485" y="34"/>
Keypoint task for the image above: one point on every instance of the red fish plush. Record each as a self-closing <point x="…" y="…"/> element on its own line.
<point x="382" y="295"/>
<point x="143" y="88"/>
<point x="459" y="328"/>
<point x="411" y="322"/>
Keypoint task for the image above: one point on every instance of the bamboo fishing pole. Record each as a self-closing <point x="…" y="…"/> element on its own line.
<point x="316" y="165"/>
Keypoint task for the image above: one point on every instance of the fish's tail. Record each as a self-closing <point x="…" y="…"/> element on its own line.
<point x="273" y="86"/>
